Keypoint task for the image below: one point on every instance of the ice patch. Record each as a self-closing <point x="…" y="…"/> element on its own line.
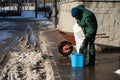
<point x="4" y="35"/>
<point x="5" y="23"/>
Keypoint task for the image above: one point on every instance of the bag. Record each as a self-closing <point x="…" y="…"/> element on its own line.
<point x="79" y="36"/>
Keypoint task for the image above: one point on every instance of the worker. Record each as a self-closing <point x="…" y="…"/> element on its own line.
<point x="86" y="19"/>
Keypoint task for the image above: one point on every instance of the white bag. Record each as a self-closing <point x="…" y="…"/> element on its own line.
<point x="79" y="36"/>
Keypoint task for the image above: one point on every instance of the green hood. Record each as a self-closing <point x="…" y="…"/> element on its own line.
<point x="86" y="13"/>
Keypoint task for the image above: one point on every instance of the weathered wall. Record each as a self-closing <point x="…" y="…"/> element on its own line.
<point x="108" y="16"/>
<point x="66" y="21"/>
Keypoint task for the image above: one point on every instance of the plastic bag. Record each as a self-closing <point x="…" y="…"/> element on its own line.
<point x="79" y="36"/>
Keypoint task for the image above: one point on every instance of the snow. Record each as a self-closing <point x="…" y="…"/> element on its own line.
<point x="4" y="34"/>
<point x="25" y="62"/>
<point x="117" y="71"/>
<point x="24" y="66"/>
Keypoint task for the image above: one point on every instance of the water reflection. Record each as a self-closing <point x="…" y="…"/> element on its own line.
<point x="87" y="73"/>
<point x="77" y="74"/>
<point x="90" y="73"/>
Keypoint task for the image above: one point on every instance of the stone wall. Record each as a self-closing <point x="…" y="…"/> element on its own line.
<point x="108" y="16"/>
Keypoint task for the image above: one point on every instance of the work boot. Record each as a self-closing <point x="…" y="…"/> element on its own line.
<point x="91" y="64"/>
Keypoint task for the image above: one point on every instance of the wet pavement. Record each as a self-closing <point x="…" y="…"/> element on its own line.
<point x="107" y="61"/>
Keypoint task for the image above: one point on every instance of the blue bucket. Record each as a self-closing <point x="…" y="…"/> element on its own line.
<point x="73" y="59"/>
<point x="81" y="60"/>
<point x="77" y="60"/>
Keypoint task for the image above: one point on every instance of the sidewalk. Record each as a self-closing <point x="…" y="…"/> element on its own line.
<point x="107" y="62"/>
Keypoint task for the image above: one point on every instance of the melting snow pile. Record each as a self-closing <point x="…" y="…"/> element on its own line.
<point x="24" y="66"/>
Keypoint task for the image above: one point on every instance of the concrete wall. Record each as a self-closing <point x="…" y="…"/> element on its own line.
<point x="66" y="21"/>
<point x="108" y="16"/>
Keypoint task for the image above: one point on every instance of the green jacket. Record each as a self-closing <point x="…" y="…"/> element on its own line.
<point x="88" y="22"/>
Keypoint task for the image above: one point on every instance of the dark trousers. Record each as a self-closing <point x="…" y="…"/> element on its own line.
<point x="91" y="49"/>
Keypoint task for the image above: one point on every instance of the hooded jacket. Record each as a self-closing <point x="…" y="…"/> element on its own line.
<point x="87" y="21"/>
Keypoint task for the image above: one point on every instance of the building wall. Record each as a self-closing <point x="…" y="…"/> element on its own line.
<point x="108" y="16"/>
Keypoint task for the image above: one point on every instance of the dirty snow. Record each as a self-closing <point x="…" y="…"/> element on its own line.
<point x="24" y="66"/>
<point x="27" y="64"/>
